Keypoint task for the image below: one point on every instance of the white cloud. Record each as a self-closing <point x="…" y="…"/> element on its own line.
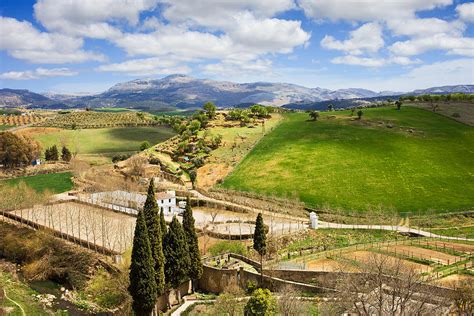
<point x="21" y="40"/>
<point x="453" y="45"/>
<point x="147" y="66"/>
<point x="373" y="61"/>
<point x="37" y="74"/>
<point x="89" y="18"/>
<point x="425" y="27"/>
<point x="367" y="38"/>
<point x="367" y="10"/>
<point x="466" y="11"/>
<point x="220" y="14"/>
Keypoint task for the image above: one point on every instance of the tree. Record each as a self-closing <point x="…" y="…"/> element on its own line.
<point x="261" y="303"/>
<point x="384" y="286"/>
<point x="314" y="115"/>
<point x="398" y="103"/>
<point x="330" y="107"/>
<point x="162" y="224"/>
<point x="195" y="265"/>
<point x="51" y="153"/>
<point x="260" y="241"/>
<point x="192" y="176"/>
<point x="194" y="126"/>
<point x="144" y="145"/>
<point x="359" y="114"/>
<point x="142" y="274"/>
<point x="463" y="297"/>
<point x="66" y="154"/>
<point x="17" y="151"/>
<point x="176" y="254"/>
<point x="210" y="109"/>
<point x="150" y="210"/>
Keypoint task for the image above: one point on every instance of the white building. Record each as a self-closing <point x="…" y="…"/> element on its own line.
<point x="131" y="202"/>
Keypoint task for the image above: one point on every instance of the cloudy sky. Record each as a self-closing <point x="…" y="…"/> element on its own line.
<point x="89" y="45"/>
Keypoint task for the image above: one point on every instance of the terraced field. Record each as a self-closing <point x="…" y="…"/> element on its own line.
<point x="396" y="162"/>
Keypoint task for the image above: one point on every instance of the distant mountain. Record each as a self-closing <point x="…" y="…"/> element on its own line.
<point x="180" y="91"/>
<point x="15" y="97"/>
<point x="446" y="90"/>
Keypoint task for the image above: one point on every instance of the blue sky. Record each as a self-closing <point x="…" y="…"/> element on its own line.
<point x="73" y="46"/>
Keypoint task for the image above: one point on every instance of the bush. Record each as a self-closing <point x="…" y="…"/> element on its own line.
<point x="226" y="246"/>
<point x="144" y="145"/>
<point x="456" y="114"/>
<point x="262" y="303"/>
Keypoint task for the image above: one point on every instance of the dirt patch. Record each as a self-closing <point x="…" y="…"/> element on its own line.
<point x="365" y="256"/>
<point x="416" y="252"/>
<point x="452" y="246"/>
<point x="98" y="226"/>
<point x="453" y="279"/>
<point x="326" y="265"/>
<point x="212" y="173"/>
<point x="31" y="131"/>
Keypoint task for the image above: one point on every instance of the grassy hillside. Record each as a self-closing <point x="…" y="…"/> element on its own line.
<point x="406" y="161"/>
<point x="93" y="143"/>
<point x="55" y="182"/>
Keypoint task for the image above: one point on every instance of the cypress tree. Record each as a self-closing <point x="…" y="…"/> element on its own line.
<point x="142" y="274"/>
<point x="150" y="210"/>
<point x="260" y="241"/>
<point x="163" y="223"/>
<point x="176" y="254"/>
<point x="66" y="154"/>
<point x="195" y="267"/>
<point x="54" y="153"/>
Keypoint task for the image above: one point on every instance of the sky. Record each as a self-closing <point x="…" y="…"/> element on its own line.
<point x="86" y="46"/>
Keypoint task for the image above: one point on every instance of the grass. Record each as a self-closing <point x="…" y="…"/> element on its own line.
<point x="91" y="144"/>
<point x="339" y="238"/>
<point x="55" y="182"/>
<point x="21" y="294"/>
<point x="466" y="232"/>
<point x="5" y="127"/>
<point x="424" y="162"/>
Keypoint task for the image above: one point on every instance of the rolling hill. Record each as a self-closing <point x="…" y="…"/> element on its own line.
<point x="389" y="162"/>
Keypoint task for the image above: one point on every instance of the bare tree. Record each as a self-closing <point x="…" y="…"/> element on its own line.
<point x="385" y="286"/>
<point x="463" y="298"/>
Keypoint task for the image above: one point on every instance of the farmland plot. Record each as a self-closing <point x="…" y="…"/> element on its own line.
<point x="95" y="225"/>
<point x="422" y="253"/>
<point x="364" y="256"/>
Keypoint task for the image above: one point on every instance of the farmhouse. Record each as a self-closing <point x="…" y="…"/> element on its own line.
<point x="131" y="202"/>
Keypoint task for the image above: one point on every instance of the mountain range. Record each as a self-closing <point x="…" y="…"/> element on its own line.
<point x="184" y="92"/>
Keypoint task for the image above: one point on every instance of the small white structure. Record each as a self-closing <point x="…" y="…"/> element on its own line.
<point x="131" y="202"/>
<point x="313" y="218"/>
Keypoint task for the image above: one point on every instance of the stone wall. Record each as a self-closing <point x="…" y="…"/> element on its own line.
<point x="216" y="280"/>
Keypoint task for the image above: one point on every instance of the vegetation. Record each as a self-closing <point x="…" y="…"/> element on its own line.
<point x="142" y="273"/>
<point x="261" y="303"/>
<point x="54" y="182"/>
<point x="226" y="246"/>
<point x="17" y="151"/>
<point x="395" y="161"/>
<point x="66" y="154"/>
<point x="51" y="153"/>
<point x="18" y="119"/>
<point x="260" y="241"/>
<point x="195" y="264"/>
<point x="20" y="298"/>
<point x="150" y="210"/>
<point x="107" y="141"/>
<point x="176" y="254"/>
<point x="91" y="119"/>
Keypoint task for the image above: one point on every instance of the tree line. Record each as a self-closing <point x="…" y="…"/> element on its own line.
<point x="162" y="258"/>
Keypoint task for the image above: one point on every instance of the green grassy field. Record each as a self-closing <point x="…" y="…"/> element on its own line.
<point x="102" y="141"/>
<point x="5" y="127"/>
<point x="55" y="182"/>
<point x="401" y="161"/>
